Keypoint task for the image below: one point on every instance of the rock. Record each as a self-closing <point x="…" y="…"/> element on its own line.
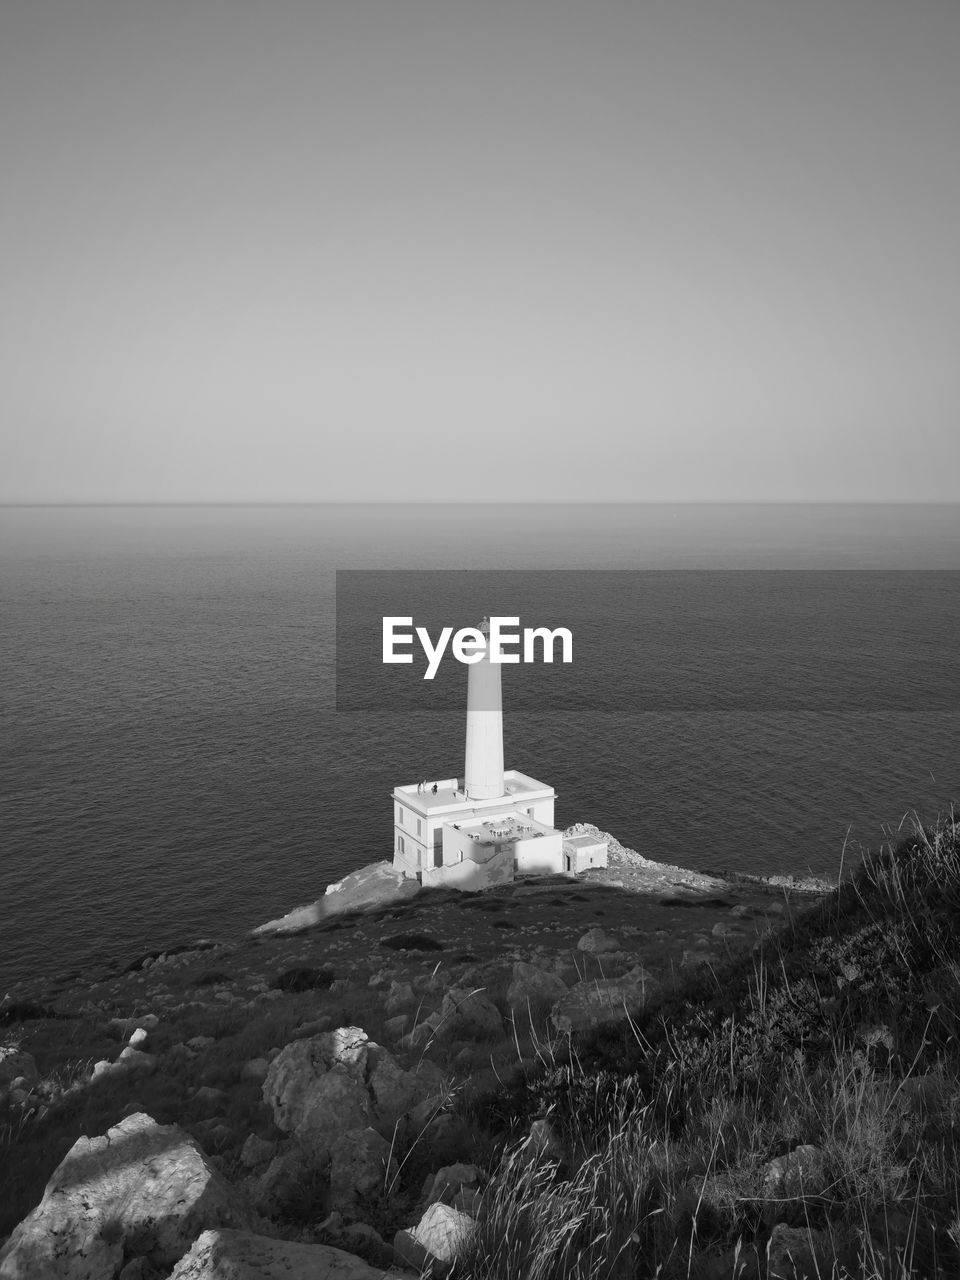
<point x="294" y="1083"/>
<point x="336" y="1104"/>
<point x="240" y="1255"/>
<point x="255" y="1069"/>
<point x="422" y="1033"/>
<point x="139" y="1269"/>
<point x="533" y="990"/>
<point x="464" y="1059"/>
<point x="303" y="979"/>
<point x="363" y="1239"/>
<point x="467" y="1201"/>
<point x="286" y="1182"/>
<point x="16" y="1063"/>
<point x="431" y="1079"/>
<point x="596" y="941"/>
<point x="138" y="1061"/>
<point x="214" y="1133"/>
<point x="124" y="1028"/>
<point x="396" y="1028"/>
<point x="104" y="1068"/>
<point x="800" y="1173"/>
<point x="542" y="1143"/>
<point x="394" y="1090"/>
<point x="440" y="1236"/>
<point x="433" y="983"/>
<point x="605" y="1000"/>
<point x="257" y="1151"/>
<point x="423" y="1115"/>
<point x="138" y="1037"/>
<point x="446" y="1183"/>
<point x="467" y="1014"/>
<point x="361" y="1164"/>
<point x="143" y="1189"/>
<point x="399" y="997"/>
<point x="312" y="1027"/>
<point x="797" y="1253"/>
<point x="371" y="886"/>
<point x="208" y="1096"/>
<point x="411" y="942"/>
<point x="417" y="1095"/>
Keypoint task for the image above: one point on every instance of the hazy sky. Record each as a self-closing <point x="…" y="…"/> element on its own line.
<point x="507" y="249"/>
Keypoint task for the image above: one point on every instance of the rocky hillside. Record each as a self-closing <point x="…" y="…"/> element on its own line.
<point x="641" y="1071"/>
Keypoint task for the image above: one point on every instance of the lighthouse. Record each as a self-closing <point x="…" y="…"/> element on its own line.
<point x="483" y="762"/>
<point x="488" y="826"/>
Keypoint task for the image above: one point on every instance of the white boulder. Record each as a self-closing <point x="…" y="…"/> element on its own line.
<point x="142" y="1188"/>
<point x="437" y="1240"/>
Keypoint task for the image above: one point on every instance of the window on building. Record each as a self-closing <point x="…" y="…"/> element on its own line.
<point x="400" y="844"/>
<point x="529" y="813"/>
<point x="419" y="827"/>
<point x="400" y="814"/>
<point x="438" y="857"/>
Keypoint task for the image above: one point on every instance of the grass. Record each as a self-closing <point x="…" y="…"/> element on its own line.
<point x="839" y="1031"/>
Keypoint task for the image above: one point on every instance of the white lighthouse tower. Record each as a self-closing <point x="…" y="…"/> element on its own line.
<point x="488" y="826"/>
<point x="483" y="766"/>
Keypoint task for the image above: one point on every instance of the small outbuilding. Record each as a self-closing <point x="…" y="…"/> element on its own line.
<point x="580" y="853"/>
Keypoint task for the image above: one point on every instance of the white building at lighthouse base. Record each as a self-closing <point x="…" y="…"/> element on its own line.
<point x="444" y="837"/>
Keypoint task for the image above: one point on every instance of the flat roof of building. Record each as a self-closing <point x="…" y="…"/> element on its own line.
<point x="504" y="826"/>
<point x="583" y="842"/>
<point x="517" y="787"/>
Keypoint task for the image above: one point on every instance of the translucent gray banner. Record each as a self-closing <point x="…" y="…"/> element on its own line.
<point x="654" y="640"/>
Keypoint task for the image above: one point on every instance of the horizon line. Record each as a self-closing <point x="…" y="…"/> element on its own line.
<point x="506" y="502"/>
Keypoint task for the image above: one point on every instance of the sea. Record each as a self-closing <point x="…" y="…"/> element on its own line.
<point x="187" y="751"/>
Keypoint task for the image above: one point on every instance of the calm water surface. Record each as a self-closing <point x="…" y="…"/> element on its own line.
<point x="174" y="765"/>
